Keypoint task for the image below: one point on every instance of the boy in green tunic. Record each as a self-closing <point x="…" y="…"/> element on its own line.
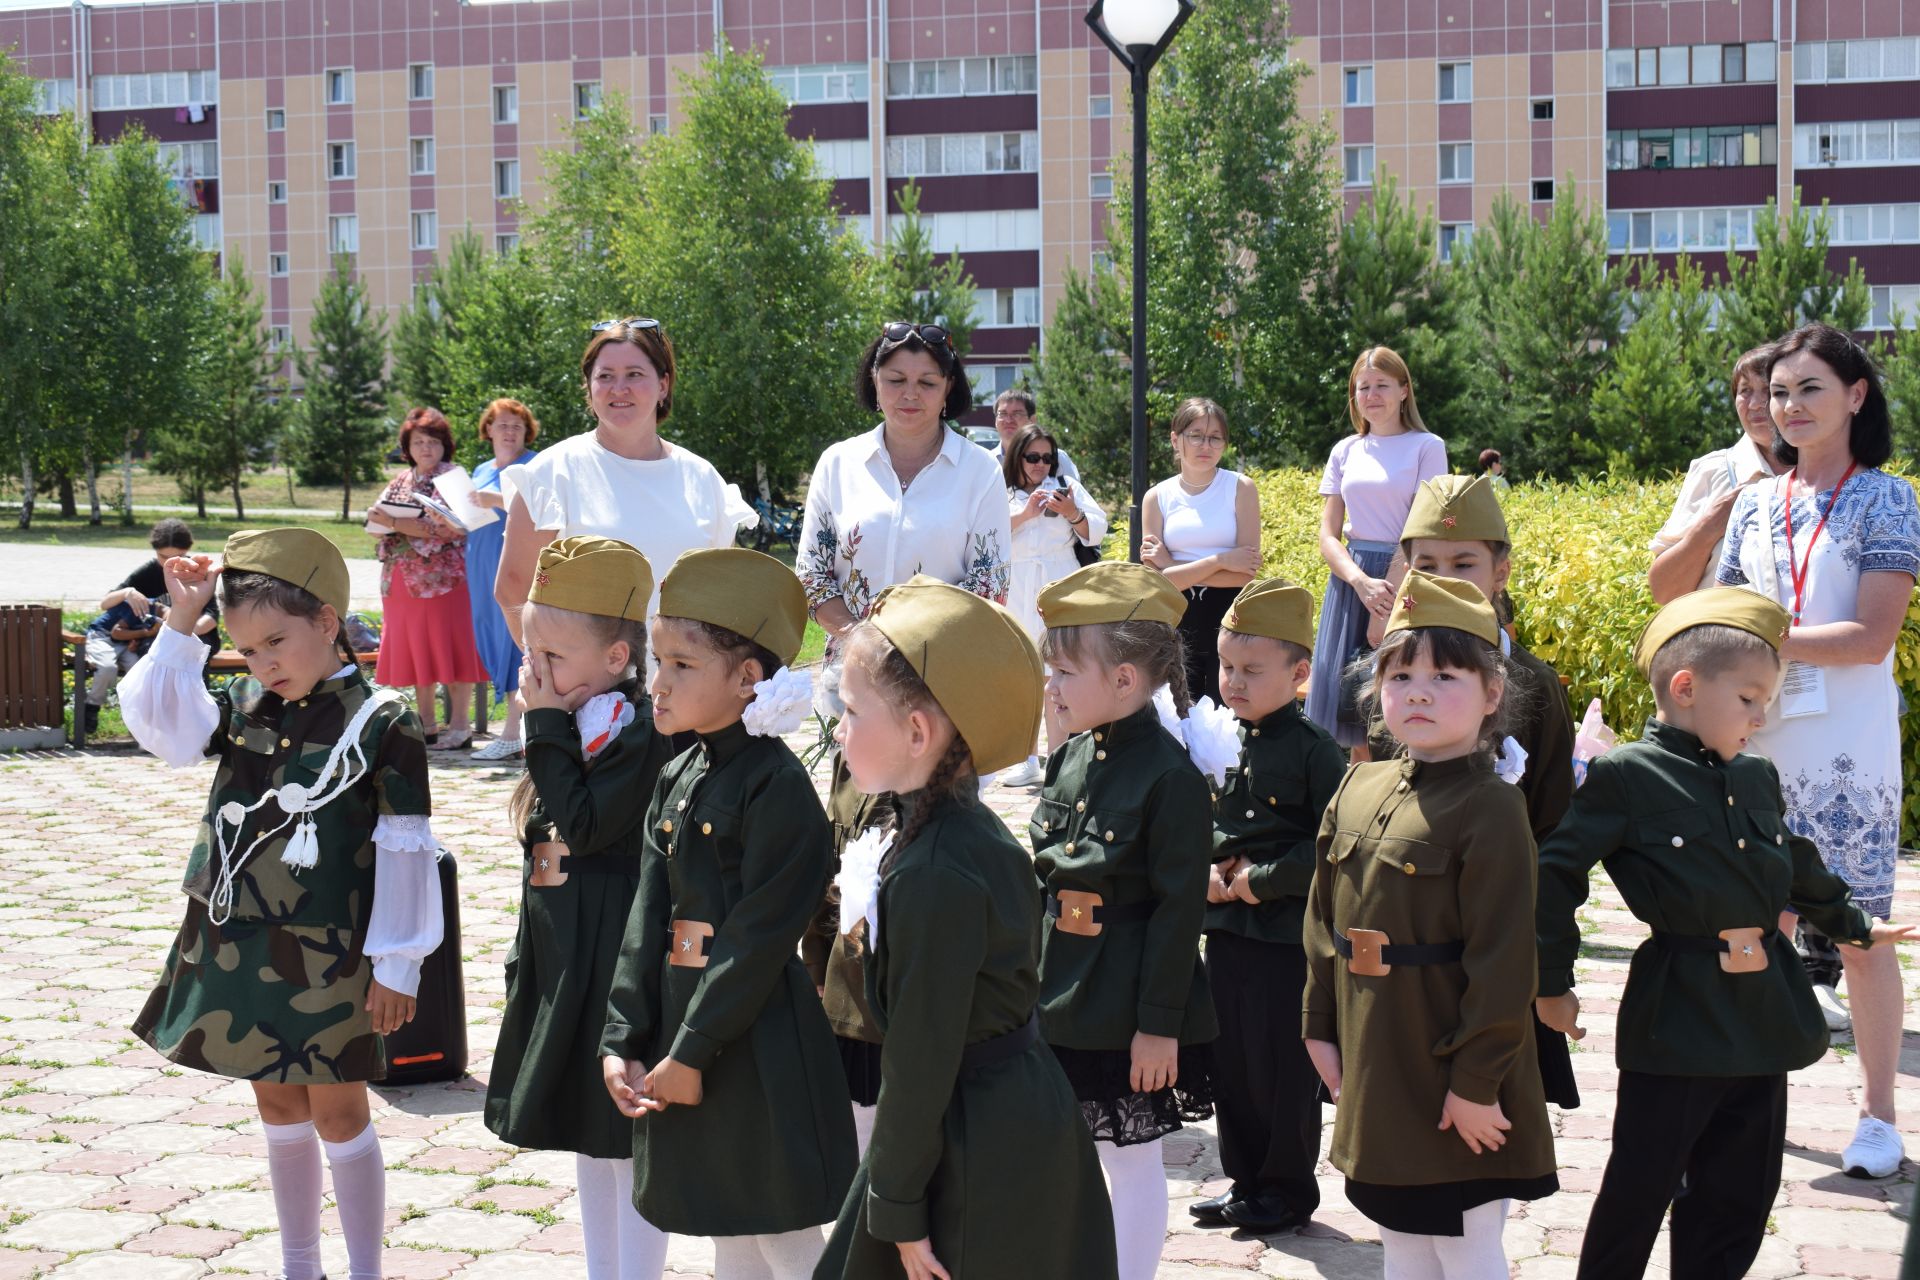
<point x="714" y="1038"/>
<point x="979" y="1168"/>
<point x="1717" y="1008"/>
<point x="593" y="756"/>
<point x="1264" y="823"/>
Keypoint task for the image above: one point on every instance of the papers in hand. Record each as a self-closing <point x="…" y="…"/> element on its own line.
<point x="456" y="488"/>
<point x="395" y="511"/>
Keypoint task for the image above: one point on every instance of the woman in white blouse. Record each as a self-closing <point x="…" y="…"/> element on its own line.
<point x="620" y="480"/>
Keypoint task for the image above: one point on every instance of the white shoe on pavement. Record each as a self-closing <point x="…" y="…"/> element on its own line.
<point x="498" y="749"/>
<point x="1027" y="774"/>
<point x="1875" y="1152"/>
<point x="1838" y="1019"/>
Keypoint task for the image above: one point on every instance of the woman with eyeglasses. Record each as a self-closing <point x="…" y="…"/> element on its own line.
<point x="910" y="496"/>
<point x="620" y="480"/>
<point x="1202" y="529"/>
<point x="1053" y="519"/>
<point x="1369" y="484"/>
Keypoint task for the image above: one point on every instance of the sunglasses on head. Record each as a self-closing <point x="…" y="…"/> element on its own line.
<point x="631" y="322"/>
<point x="899" y="331"/>
<point x="1037" y="458"/>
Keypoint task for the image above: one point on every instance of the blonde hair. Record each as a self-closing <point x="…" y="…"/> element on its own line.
<point x="1382" y="360"/>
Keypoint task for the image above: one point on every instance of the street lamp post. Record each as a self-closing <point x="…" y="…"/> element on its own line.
<point x="1138" y="32"/>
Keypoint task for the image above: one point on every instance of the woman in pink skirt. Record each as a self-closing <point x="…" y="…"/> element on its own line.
<point x="426" y="636"/>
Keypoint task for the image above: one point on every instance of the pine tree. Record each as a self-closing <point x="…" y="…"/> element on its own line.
<point x="921" y="285"/>
<point x="342" y="417"/>
<point x="1082" y="381"/>
<point x="1785" y="281"/>
<point x="1897" y="351"/>
<point x="426" y="330"/>
<point x="1666" y="390"/>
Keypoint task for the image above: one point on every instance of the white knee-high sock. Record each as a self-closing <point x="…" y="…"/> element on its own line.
<point x="643" y="1246"/>
<point x="792" y="1255"/>
<point x="863" y="1127"/>
<point x="738" y="1258"/>
<point x="293" y="1168"/>
<point x="1409" y="1256"/>
<point x="1137" y="1185"/>
<point x="599" y="1215"/>
<point x="1478" y="1252"/>
<point x="360" y="1193"/>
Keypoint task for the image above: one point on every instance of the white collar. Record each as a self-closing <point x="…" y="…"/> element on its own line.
<point x="877" y="444"/>
<point x="1747" y="459"/>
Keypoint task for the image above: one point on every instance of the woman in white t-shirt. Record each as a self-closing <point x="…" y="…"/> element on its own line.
<point x="1369" y="484"/>
<point x="620" y="480"/>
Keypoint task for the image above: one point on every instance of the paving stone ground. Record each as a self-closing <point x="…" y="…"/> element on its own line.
<point x="113" y="1162"/>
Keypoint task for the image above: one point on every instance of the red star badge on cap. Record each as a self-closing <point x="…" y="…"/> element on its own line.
<point x="1449" y="521"/>
<point x="1407" y="603"/>
<point x="541" y="579"/>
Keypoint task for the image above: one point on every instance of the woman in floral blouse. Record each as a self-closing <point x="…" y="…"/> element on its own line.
<point x="426" y="635"/>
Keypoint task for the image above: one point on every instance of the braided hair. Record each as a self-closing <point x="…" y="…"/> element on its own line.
<point x="1154" y="648"/>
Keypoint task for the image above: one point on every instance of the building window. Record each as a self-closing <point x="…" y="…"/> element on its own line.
<point x="277" y="264"/>
<point x="419" y="81"/>
<point x="1100" y="186"/>
<point x="206" y="232"/>
<point x="985" y="231"/>
<point x="586" y="98"/>
<point x="1454" y="236"/>
<point x="962" y="77"/>
<point x="1674" y="65"/>
<point x="1620" y="73"/>
<point x="1647" y="67"/>
<point x="1875" y="223"/>
<point x="343" y="233"/>
<point x="340" y="160"/>
<point x="276" y="192"/>
<point x="420" y="155"/>
<point x="845" y="158"/>
<point x="1894" y="300"/>
<point x="656" y="124"/>
<point x="1542" y="190"/>
<point x="1456" y="82"/>
<point x="1359" y="164"/>
<point x="506" y="104"/>
<point x="822" y="82"/>
<point x="189" y="160"/>
<point x="962" y="153"/>
<point x="506" y="179"/>
<point x="426" y="229"/>
<point x="339" y="86"/>
<point x="51" y="97"/>
<point x="1701" y="147"/>
<point x="1856" y="142"/>
<point x="1004" y="308"/>
<point x="279" y="336"/>
<point x="156" y="89"/>
<point x="506" y="242"/>
<point x="1456" y="162"/>
<point x="1541" y="109"/>
<point x="276" y="119"/>
<point x="1100" y="106"/>
<point x="1670" y="230"/>
<point x="1357" y="87"/>
<point x="1707" y="64"/>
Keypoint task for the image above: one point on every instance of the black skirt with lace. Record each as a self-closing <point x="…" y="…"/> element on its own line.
<point x="1116" y="1112"/>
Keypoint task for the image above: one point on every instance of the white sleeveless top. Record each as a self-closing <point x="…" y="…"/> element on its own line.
<point x="1196" y="525"/>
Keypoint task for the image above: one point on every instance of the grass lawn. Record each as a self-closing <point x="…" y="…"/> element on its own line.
<point x="54" y="531"/>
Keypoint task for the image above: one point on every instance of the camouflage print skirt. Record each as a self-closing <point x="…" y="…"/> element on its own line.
<point x="285" y="1004"/>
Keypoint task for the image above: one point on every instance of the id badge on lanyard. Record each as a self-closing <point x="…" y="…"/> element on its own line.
<point x="1803" y="686"/>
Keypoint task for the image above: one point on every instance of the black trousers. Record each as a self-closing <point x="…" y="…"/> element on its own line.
<point x="1725" y="1135"/>
<point x="1200" y="635"/>
<point x="1264" y="1085"/>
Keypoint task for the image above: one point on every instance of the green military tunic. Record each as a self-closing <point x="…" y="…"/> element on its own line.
<point x="1125" y="814"/>
<point x="1269" y="812"/>
<point x="1429" y="854"/>
<point x="278" y="992"/>
<point x="988" y="1161"/>
<point x="1545" y="732"/>
<point x="1695" y="846"/>
<point x="546" y="1090"/>
<point x="735" y="839"/>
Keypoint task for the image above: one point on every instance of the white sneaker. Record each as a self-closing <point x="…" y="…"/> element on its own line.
<point x="498" y="749"/>
<point x="1026" y="774"/>
<point x="1875" y="1151"/>
<point x="1838" y="1019"/>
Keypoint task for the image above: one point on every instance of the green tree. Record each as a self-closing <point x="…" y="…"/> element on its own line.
<point x="921" y="285"/>
<point x="1241" y="199"/>
<point x="1666" y="389"/>
<point x="769" y="300"/>
<point x="1897" y="351"/>
<point x="1786" y="282"/>
<point x="341" y="420"/>
<point x="1081" y="379"/>
<point x="426" y="330"/>
<point x="237" y="404"/>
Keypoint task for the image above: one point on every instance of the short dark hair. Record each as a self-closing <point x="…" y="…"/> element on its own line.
<point x="1870" y="439"/>
<point x="253" y="590"/>
<point x="952" y="367"/>
<point x="1014" y="469"/>
<point x="1451" y="648"/>
<point x="1020" y="396"/>
<point x="1705" y="650"/>
<point x="653" y="343"/>
<point x="171" y="532"/>
<point x="1488" y="457"/>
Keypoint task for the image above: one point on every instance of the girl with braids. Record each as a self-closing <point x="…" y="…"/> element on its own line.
<point x="593" y="753"/>
<point x="1122" y="846"/>
<point x="715" y="1042"/>
<point x="976" y="1170"/>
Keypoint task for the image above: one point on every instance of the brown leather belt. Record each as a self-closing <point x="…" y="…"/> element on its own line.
<point x="692" y="944"/>
<point x="1740" y="950"/>
<point x="1078" y="912"/>
<point x="1369" y="954"/>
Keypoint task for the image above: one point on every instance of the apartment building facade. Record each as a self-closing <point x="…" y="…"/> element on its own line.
<point x="385" y="127"/>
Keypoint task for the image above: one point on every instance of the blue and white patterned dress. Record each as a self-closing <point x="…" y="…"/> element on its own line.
<point x="1840" y="769"/>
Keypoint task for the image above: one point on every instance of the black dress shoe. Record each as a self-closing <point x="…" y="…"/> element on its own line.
<point x="1262" y="1215"/>
<point x="1208" y="1211"/>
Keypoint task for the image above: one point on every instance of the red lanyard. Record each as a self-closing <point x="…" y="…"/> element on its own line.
<point x="1799" y="575"/>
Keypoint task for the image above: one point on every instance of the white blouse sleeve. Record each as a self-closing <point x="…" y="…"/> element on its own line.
<point x="1096" y="516"/>
<point x="165" y="702"/>
<point x="407" y="922"/>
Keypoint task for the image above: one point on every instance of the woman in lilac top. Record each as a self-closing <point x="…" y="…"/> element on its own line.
<point x="1369" y="484"/>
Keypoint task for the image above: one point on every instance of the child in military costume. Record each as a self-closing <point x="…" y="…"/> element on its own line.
<point x="714" y="1038"/>
<point x="1420" y="976"/>
<point x="1123" y="851"/>
<point x="1717" y="1008"/>
<point x="978" y="1165"/>
<point x="1264" y="823"/>
<point x="1456" y="529"/>
<point x="312" y="892"/>
<point x="593" y="756"/>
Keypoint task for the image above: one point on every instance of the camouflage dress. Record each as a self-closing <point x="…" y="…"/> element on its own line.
<point x="278" y="991"/>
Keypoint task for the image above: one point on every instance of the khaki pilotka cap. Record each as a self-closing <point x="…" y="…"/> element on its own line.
<point x="1111" y="591"/>
<point x="1456" y="509"/>
<point x="748" y="592"/>
<point x="605" y="577"/>
<point x="1429" y="601"/>
<point x="1735" y="607"/>
<point x="302" y="557"/>
<point x="1275" y="608"/>
<point x="975" y="657"/>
